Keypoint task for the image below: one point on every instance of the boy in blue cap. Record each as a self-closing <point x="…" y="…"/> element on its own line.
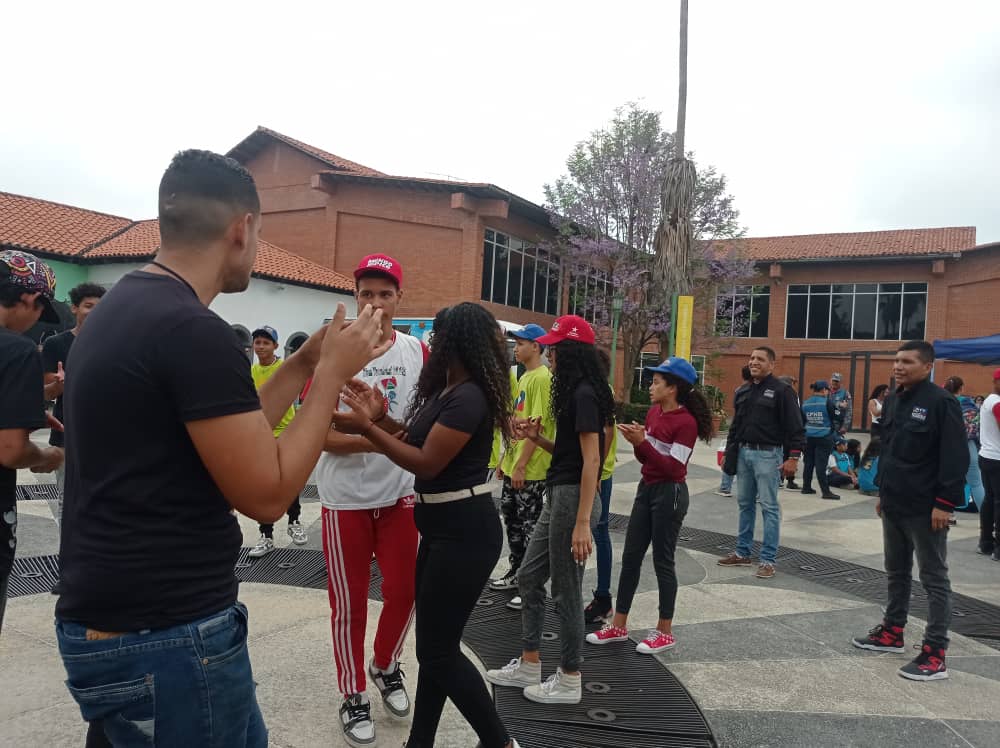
<point x="525" y="465"/>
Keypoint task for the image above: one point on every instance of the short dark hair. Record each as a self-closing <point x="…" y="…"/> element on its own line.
<point x="604" y="359"/>
<point x="200" y="194"/>
<point x="771" y="355"/>
<point x="745" y="373"/>
<point x="923" y="349"/>
<point x="10" y="293"/>
<point x="954" y="384"/>
<point x="85" y="291"/>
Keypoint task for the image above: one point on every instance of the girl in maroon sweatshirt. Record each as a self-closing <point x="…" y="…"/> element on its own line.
<point x="679" y="416"/>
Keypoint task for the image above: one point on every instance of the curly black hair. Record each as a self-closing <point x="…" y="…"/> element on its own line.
<point x="469" y="334"/>
<point x="694" y="400"/>
<point x="577" y="363"/>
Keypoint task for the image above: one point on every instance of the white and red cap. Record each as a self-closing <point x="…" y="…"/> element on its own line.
<point x="569" y="327"/>
<point x="380" y="265"/>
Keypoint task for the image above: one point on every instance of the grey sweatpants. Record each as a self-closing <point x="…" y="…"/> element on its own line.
<point x="550" y="554"/>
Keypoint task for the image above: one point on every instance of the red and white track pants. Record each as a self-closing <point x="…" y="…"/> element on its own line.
<point x="350" y="538"/>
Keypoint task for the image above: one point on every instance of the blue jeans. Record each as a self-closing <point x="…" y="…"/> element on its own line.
<point x="602" y="539"/>
<point x="727" y="483"/>
<point x="974" y="477"/>
<point x="190" y="685"/>
<point x="758" y="479"/>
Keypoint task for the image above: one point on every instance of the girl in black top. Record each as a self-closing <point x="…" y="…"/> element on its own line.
<point x="464" y="389"/>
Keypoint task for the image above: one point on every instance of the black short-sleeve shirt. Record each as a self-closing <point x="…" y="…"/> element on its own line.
<point x="148" y="540"/>
<point x="54" y="352"/>
<point x="463" y="408"/>
<point x="581" y="417"/>
<point x="22" y="401"/>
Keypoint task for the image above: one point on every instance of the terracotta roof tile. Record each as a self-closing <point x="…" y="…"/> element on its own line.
<point x="32" y="224"/>
<point x="866" y="244"/>
<point x="254" y="143"/>
<point x="55" y="229"/>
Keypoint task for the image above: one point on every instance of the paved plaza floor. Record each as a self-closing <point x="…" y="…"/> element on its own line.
<point x="768" y="661"/>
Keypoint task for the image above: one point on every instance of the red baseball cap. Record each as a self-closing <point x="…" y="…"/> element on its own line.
<point x="569" y="327"/>
<point x="380" y="265"/>
<point x="996" y="374"/>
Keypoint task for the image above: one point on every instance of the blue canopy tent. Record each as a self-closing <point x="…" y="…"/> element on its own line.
<point x="985" y="350"/>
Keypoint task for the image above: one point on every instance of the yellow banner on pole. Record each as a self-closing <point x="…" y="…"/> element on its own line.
<point x="685" y="319"/>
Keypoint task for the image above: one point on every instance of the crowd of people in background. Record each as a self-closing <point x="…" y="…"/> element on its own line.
<point x="407" y="442"/>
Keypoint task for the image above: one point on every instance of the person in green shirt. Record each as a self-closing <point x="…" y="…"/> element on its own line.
<point x="600" y="609"/>
<point x="524" y="465"/>
<point x="265" y="346"/>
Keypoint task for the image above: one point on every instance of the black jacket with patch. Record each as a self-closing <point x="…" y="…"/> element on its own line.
<point x="767" y="412"/>
<point x="924" y="452"/>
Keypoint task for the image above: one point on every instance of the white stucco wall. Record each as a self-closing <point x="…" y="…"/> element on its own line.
<point x="288" y="309"/>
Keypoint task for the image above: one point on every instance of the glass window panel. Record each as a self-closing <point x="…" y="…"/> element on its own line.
<point x="516" y="244"/>
<point x="487" y="286"/>
<point x="864" y="316"/>
<point x="819" y="288"/>
<point x="798" y="289"/>
<point x="553" y="300"/>
<point x="865" y="287"/>
<point x="762" y="290"/>
<point x="795" y="323"/>
<point x="724" y="315"/>
<point x="514" y="279"/>
<point x="742" y="289"/>
<point x="884" y="287"/>
<point x="914" y="287"/>
<point x="741" y="316"/>
<point x="914" y="316"/>
<point x="490" y="235"/>
<point x="500" y="275"/>
<point x="760" y="316"/>
<point x="843" y="288"/>
<point x="528" y="282"/>
<point x="840" y="316"/>
<point x="501" y="239"/>
<point x="889" y="307"/>
<point x="819" y="317"/>
<point x="541" y="293"/>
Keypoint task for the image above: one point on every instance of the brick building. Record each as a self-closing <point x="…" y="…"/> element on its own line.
<point x="858" y="292"/>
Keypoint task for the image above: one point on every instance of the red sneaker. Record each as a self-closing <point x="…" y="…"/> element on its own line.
<point x="608" y="634"/>
<point x="656" y="642"/>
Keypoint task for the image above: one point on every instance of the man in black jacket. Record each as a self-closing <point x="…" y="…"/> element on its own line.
<point x="766" y="424"/>
<point x="921" y="479"/>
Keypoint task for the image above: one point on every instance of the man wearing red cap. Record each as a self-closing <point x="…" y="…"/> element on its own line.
<point x="989" y="466"/>
<point x="368" y="511"/>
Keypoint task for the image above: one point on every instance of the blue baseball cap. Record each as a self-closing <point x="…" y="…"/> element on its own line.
<point x="820" y="384"/>
<point x="678" y="367"/>
<point x="266" y="332"/>
<point x="528" y="332"/>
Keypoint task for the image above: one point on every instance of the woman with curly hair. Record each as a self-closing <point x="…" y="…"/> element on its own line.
<point x="680" y="415"/>
<point x="562" y="541"/>
<point x="463" y="390"/>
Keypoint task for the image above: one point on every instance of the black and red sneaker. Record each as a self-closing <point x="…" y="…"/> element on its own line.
<point x="929" y="665"/>
<point x="600" y="610"/>
<point x="882" y="638"/>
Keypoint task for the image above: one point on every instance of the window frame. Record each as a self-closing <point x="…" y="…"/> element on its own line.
<point x="878" y="294"/>
<point x="528" y="253"/>
<point x="752" y="294"/>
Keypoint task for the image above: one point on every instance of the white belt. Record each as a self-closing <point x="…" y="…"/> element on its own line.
<point x="465" y="493"/>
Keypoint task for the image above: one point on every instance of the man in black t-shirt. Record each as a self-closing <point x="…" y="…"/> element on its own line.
<point x="55" y="354"/>
<point x="27" y="286"/>
<point x="156" y="477"/>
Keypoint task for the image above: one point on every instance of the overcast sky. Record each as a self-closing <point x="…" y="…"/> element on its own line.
<point x="826" y="117"/>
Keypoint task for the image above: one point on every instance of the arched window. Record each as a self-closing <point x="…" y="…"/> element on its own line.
<point x="294" y="342"/>
<point x="243" y="335"/>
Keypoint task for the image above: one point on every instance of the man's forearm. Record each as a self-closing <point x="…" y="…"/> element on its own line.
<point x="347" y="444"/>
<point x="280" y="391"/>
<point x="30" y="456"/>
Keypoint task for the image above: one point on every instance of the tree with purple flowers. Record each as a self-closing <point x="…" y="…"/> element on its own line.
<point x="606" y="208"/>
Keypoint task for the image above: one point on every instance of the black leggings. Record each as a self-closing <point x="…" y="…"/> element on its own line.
<point x="657" y="516"/>
<point x="294" y="512"/>
<point x="989" y="512"/>
<point x="460" y="544"/>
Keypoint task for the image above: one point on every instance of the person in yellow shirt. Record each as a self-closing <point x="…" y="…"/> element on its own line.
<point x="265" y="346"/>
<point x="524" y="465"/>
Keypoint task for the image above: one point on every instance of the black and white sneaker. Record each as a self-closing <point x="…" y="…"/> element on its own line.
<point x="356" y="721"/>
<point x="600" y="610"/>
<point x="390" y="685"/>
<point x="507" y="582"/>
<point x="516" y="603"/>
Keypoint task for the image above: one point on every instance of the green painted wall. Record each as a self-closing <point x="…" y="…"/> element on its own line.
<point x="68" y="275"/>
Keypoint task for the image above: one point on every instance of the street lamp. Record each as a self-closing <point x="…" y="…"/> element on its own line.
<point x="616" y="312"/>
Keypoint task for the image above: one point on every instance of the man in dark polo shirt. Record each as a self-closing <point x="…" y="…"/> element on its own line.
<point x="55" y="353"/>
<point x="766" y="425"/>
<point x="921" y="479"/>
<point x="168" y="436"/>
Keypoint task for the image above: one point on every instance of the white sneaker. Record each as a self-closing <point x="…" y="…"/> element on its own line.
<point x="356" y="721"/>
<point x="516" y="673"/>
<point x="264" y="546"/>
<point x="297" y="533"/>
<point x="516" y="603"/>
<point x="558" y="689"/>
<point x="390" y="685"/>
